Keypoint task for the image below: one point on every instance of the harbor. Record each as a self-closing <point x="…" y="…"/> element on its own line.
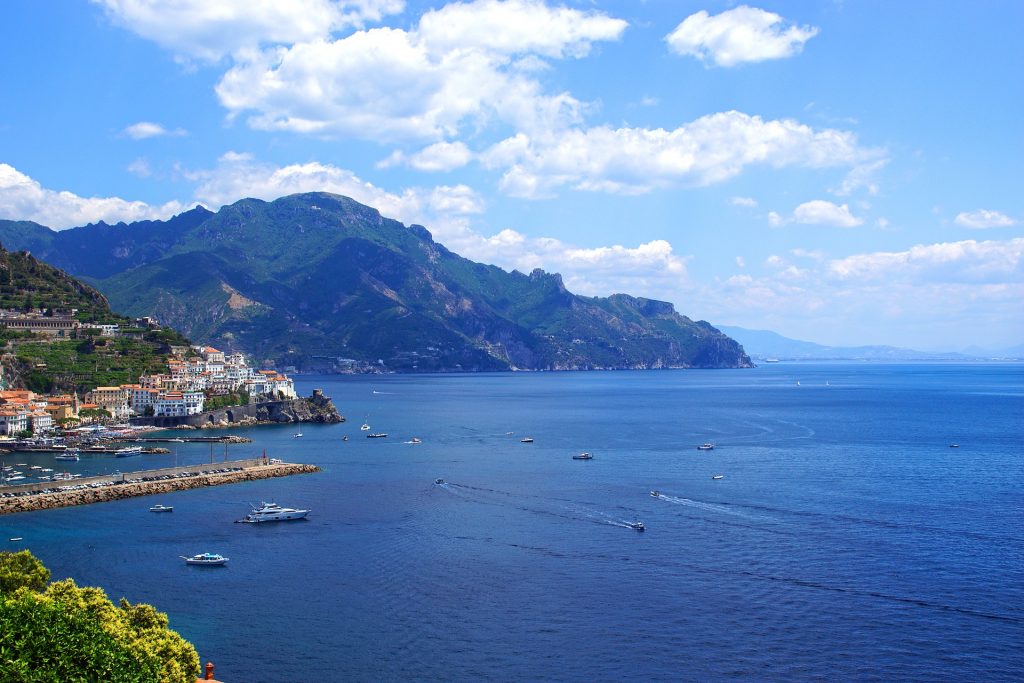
<point x="99" y="489"/>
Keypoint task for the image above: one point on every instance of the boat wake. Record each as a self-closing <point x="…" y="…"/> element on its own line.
<point x="538" y="505"/>
<point x="707" y="507"/>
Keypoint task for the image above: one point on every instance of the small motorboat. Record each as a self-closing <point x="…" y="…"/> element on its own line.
<point x="297" y="435"/>
<point x="439" y="481"/>
<point x="415" y="440"/>
<point x="365" y="427"/>
<point x="639" y="526"/>
<point x="716" y="477"/>
<point x="655" y="493"/>
<point x="706" y="446"/>
<point x="583" y="456"/>
<point x="954" y="445"/>
<point x="345" y="438"/>
<point x="526" y="440"/>
<point x="206" y="560"/>
<point x="379" y="435"/>
<point x="17" y="538"/>
<point x="162" y="508"/>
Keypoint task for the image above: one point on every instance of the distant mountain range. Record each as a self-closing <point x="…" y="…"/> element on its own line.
<point x="763" y="344"/>
<point x="320" y="282"/>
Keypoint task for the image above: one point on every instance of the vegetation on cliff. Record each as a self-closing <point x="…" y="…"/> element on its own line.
<point x="82" y="363"/>
<point x="62" y="632"/>
<point x="314" y="279"/>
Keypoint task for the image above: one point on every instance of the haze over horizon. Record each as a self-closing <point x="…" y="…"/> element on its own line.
<point x="844" y="173"/>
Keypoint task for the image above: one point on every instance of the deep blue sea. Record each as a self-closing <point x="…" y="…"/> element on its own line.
<point x="845" y="541"/>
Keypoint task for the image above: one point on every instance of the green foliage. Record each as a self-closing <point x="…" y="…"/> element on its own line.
<point x="21" y="570"/>
<point x="240" y="398"/>
<point x="68" y="633"/>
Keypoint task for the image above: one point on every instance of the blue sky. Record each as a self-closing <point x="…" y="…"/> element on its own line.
<point x="843" y="172"/>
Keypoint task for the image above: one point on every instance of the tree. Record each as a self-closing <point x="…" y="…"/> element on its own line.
<point x="66" y="633"/>
<point x="21" y="569"/>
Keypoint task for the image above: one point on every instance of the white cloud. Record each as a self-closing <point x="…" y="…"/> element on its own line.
<point x="140" y="167"/>
<point x="774" y="219"/>
<point x="465" y="64"/>
<point x="440" y="156"/>
<point x="821" y="212"/>
<point x="22" y="198"/>
<point x="748" y="202"/>
<point x="741" y="262"/>
<point x="968" y="261"/>
<point x="208" y="31"/>
<point x="743" y="34"/>
<point x="708" y="150"/>
<point x="516" y="26"/>
<point x="148" y="129"/>
<point x="983" y="218"/>
<point x="861" y="175"/>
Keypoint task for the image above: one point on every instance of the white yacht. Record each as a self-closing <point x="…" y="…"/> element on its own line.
<point x="365" y="427"/>
<point x="297" y="435"/>
<point x="707" y="446"/>
<point x="161" y="508"/>
<point x="206" y="560"/>
<point x="583" y="456"/>
<point x="128" y="451"/>
<point x="272" y="512"/>
<point x="69" y="455"/>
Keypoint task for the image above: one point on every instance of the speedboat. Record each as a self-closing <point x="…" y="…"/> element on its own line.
<point x="161" y="508"/>
<point x="272" y="512"/>
<point x="297" y="435"/>
<point x="365" y="427"/>
<point x="655" y="493"/>
<point x="71" y="456"/>
<point x="526" y="440"/>
<point x="380" y="435"/>
<point x="718" y="476"/>
<point x="583" y="456"/>
<point x="439" y="481"/>
<point x="415" y="440"/>
<point x="954" y="445"/>
<point x="345" y="438"/>
<point x="206" y="560"/>
<point x="706" y="446"/>
<point x="639" y="526"/>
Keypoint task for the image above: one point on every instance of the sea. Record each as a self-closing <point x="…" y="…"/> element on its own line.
<point x="846" y="539"/>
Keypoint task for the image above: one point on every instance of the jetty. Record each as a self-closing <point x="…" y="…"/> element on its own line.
<point x="87" y="490"/>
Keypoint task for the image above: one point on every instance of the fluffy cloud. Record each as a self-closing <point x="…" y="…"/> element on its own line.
<point x="22" y="198"/>
<point x="743" y="34"/>
<point x="460" y="66"/>
<point x="821" y="212"/>
<point x="747" y="202"/>
<point x="968" y="261"/>
<point x="148" y="129"/>
<point x="208" y="31"/>
<point x="708" y="150"/>
<point x="440" y="156"/>
<point x="983" y="218"/>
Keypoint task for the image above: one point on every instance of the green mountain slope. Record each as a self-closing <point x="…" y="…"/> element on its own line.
<point x="82" y="363"/>
<point x="309" y="279"/>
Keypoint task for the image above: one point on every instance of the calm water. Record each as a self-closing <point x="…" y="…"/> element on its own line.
<point x="845" y="541"/>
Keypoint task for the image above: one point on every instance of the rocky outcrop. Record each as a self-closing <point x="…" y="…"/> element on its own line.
<point x="316" y="408"/>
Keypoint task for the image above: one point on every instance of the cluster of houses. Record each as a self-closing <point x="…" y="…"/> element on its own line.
<point x="64" y="325"/>
<point x="182" y="390"/>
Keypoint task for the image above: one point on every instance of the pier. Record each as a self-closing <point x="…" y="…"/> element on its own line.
<point x="87" y="490"/>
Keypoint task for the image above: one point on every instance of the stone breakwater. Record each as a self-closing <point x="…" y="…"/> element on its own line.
<point x="131" y="489"/>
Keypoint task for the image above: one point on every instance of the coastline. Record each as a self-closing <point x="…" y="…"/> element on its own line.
<point x="185" y="478"/>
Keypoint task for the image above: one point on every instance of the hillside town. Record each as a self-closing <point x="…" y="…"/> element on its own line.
<point x="193" y="377"/>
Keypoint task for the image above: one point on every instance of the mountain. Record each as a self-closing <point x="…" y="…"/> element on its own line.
<point x="81" y="363"/>
<point x="762" y="344"/>
<point x="321" y="282"/>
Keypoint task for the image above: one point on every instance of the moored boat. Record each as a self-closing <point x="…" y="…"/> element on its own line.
<point x="128" y="451"/>
<point x="706" y="446"/>
<point x="379" y="435"/>
<point x="70" y="456"/>
<point x="161" y="508"/>
<point x="583" y="456"/>
<point x="526" y="440"/>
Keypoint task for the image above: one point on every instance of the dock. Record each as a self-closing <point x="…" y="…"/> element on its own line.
<point x="87" y="490"/>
